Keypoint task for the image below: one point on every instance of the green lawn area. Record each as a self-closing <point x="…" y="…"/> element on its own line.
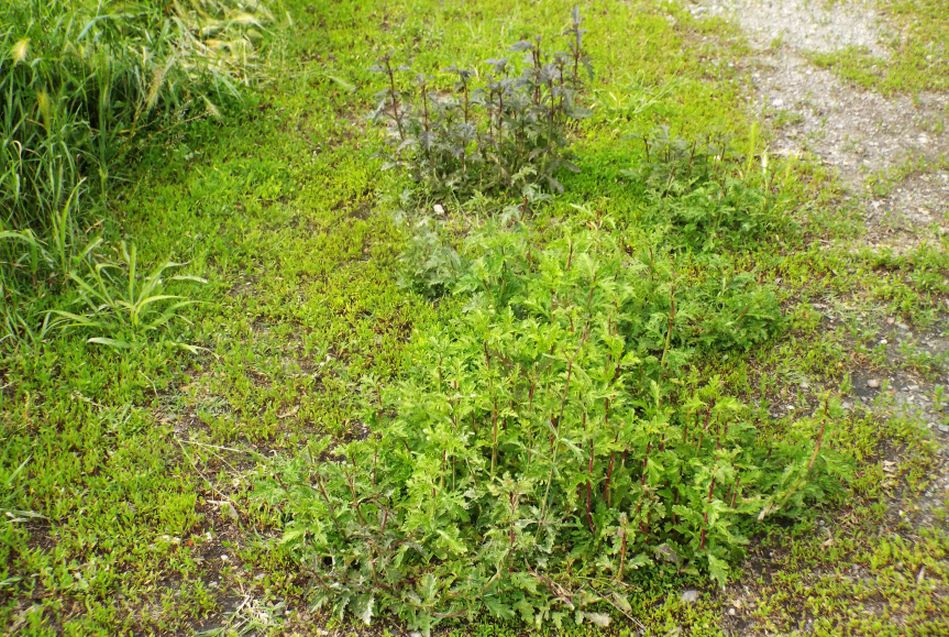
<point x="151" y="489"/>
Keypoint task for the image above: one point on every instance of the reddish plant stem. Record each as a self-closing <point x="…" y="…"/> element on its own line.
<point x="708" y="418"/>
<point x="590" y="489"/>
<point x="671" y="322"/>
<point x="609" y="467"/>
<point x="711" y="490"/>
<point x="494" y="435"/>
<point x="607" y="494"/>
<point x="425" y="118"/>
<point x="622" y="553"/>
<point x="642" y="478"/>
<point x="820" y="439"/>
<point x="393" y="92"/>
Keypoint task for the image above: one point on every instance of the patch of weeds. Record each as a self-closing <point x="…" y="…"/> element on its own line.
<point x="120" y="305"/>
<point x="709" y="198"/>
<point x="883" y="182"/>
<point x="856" y="574"/>
<point x="931" y="365"/>
<point x="855" y="64"/>
<point x="918" y="57"/>
<point x="251" y="617"/>
<point x="429" y="264"/>
<point x="910" y="284"/>
<point x="783" y="118"/>
<point x="506" y="131"/>
<point x="550" y="448"/>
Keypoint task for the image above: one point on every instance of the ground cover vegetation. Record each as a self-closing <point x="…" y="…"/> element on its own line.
<point x="526" y="378"/>
<point x="918" y="51"/>
<point x="550" y="442"/>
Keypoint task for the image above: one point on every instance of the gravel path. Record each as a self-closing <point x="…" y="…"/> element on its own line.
<point x="856" y="132"/>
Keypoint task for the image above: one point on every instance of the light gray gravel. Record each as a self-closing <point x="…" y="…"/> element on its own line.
<point x="857" y="133"/>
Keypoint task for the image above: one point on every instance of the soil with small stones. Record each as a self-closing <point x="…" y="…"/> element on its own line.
<point x="855" y="132"/>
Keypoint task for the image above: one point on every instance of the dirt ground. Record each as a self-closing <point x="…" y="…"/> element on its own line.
<point x="855" y="132"/>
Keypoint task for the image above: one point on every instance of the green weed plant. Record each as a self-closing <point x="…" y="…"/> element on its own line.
<point x="552" y="445"/>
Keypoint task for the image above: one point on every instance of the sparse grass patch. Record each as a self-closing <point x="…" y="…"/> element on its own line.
<point x="918" y="54"/>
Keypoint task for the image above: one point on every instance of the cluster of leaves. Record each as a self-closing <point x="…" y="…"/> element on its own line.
<point x="504" y="131"/>
<point x="429" y="264"/>
<point x="549" y="444"/>
<point x="709" y="198"/>
<point x="118" y="303"/>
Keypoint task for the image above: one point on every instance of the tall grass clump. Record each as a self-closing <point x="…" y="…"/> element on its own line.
<point x="79" y="79"/>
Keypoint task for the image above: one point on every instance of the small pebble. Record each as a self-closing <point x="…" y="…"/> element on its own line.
<point x="873" y="383"/>
<point x="690" y="595"/>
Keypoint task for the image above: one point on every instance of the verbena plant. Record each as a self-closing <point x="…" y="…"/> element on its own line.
<point x="79" y="79"/>
<point x="505" y="130"/>
<point x="551" y="444"/>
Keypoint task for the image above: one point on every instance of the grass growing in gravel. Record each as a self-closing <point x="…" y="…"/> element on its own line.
<point x="918" y="51"/>
<point x="126" y="475"/>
